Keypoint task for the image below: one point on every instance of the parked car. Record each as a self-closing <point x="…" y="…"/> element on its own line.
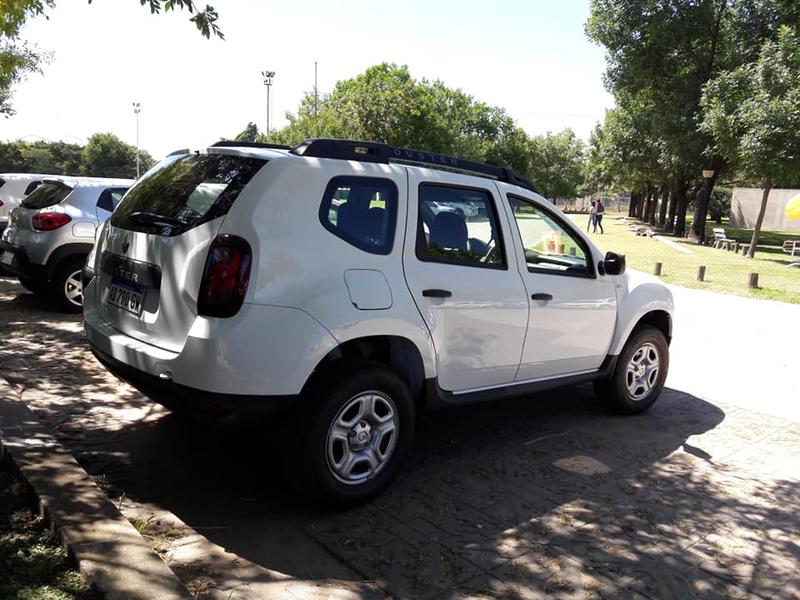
<point x="52" y="231"/>
<point x="13" y="189"/>
<point x="332" y="283"/>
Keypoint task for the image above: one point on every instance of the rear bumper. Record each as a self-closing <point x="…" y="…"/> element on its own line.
<point x="20" y="265"/>
<point x="208" y="406"/>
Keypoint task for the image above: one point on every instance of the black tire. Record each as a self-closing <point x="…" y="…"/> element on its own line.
<point x="615" y="391"/>
<point x="64" y="283"/>
<point x="35" y="286"/>
<point x="305" y="442"/>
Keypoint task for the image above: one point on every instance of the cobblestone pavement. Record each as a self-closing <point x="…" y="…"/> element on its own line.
<point x="546" y="496"/>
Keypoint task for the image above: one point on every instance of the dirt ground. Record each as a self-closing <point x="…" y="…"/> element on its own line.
<point x="545" y="496"/>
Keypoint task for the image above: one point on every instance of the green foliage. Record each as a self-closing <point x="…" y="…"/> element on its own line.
<point x="660" y="55"/>
<point x="386" y="104"/>
<point x="249" y="134"/>
<point x="54" y="158"/>
<point x="753" y="112"/>
<point x="105" y="155"/>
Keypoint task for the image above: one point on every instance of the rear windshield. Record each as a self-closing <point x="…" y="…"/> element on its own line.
<point x="184" y="191"/>
<point x="47" y="194"/>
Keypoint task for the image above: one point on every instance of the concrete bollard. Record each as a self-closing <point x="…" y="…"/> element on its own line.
<point x="753" y="280"/>
<point x="701" y="273"/>
<point x="745" y="249"/>
<point x="657" y="269"/>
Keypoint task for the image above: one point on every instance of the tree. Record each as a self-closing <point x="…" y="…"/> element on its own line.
<point x="57" y="158"/>
<point x="18" y="59"/>
<point x="557" y="164"/>
<point x="105" y="155"/>
<point x="660" y="54"/>
<point x="753" y="114"/>
<point x="249" y="134"/>
<point x="386" y="104"/>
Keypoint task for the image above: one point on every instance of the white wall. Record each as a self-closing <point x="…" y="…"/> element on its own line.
<point x="746" y="202"/>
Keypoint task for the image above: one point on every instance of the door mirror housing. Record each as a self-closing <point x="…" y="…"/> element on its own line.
<point x="614" y="264"/>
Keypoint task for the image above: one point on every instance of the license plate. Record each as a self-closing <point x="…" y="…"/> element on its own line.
<point x="127" y="296"/>
<point x="7" y="257"/>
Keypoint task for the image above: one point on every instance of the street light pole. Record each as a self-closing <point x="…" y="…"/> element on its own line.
<point x="268" y="75"/>
<point x="137" y="107"/>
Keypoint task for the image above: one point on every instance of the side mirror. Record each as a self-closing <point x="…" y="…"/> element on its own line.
<point x="614" y="264"/>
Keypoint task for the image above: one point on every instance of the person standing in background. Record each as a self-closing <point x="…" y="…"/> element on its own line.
<point x="598" y="217"/>
<point x="592" y="215"/>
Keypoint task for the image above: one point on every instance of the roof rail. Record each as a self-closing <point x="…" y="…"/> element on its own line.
<point x="379" y="152"/>
<point x="235" y="144"/>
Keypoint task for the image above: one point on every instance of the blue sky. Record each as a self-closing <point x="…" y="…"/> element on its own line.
<point x="530" y="57"/>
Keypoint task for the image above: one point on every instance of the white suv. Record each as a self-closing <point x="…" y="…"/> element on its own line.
<point x="344" y="283"/>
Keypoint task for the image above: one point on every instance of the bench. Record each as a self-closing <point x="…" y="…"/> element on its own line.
<point x="721" y="240"/>
<point x="791" y="246"/>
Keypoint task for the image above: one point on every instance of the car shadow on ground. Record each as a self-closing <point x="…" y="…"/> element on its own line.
<point x="544" y="493"/>
<point x="547" y="495"/>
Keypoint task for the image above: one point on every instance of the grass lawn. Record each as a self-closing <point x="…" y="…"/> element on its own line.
<point x="33" y="566"/>
<point x="725" y="271"/>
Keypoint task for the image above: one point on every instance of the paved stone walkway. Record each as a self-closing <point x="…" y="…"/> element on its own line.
<point x="546" y="496"/>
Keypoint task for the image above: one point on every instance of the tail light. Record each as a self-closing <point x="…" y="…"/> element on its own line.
<point x="225" y="277"/>
<point x="49" y="220"/>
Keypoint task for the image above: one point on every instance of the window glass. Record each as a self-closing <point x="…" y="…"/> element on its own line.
<point x="458" y="226"/>
<point x="32" y="186"/>
<point x="184" y="191"/>
<point x="362" y="211"/>
<point x="110" y="198"/>
<point x="47" y="194"/>
<point x="549" y="246"/>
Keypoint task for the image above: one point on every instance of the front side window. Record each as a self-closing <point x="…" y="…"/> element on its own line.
<point x="110" y="198"/>
<point x="458" y="226"/>
<point x="184" y="191"/>
<point x="362" y="211"/>
<point x="549" y="246"/>
<point x="47" y="194"/>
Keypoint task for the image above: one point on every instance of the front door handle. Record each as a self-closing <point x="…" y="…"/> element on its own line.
<point x="434" y="293"/>
<point x="545" y="297"/>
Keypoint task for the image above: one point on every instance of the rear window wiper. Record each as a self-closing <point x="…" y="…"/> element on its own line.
<point x="148" y="218"/>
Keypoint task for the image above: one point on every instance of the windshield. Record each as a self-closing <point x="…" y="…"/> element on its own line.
<point x="47" y="194"/>
<point x="184" y="191"/>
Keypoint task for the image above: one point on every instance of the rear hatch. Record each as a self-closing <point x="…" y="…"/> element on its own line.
<point x="49" y="195"/>
<point x="152" y="254"/>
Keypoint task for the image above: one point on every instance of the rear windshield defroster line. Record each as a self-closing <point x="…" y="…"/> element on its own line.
<point x="185" y="191"/>
<point x="49" y="193"/>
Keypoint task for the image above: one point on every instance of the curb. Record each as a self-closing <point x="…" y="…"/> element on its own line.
<point x="109" y="551"/>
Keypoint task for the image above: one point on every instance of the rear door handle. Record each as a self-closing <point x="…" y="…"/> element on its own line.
<point x="545" y="297"/>
<point x="434" y="293"/>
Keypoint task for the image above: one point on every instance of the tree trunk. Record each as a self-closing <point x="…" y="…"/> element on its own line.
<point x="698" y="232"/>
<point x="673" y="205"/>
<point x="644" y="214"/>
<point x="632" y="204"/>
<point x="757" y="229"/>
<point x="682" y="203"/>
<point x="662" y="210"/>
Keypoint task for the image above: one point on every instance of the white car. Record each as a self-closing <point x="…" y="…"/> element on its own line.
<point x="14" y="187"/>
<point x="52" y="231"/>
<point x="332" y="283"/>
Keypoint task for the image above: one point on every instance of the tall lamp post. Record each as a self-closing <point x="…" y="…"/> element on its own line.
<point x="268" y="75"/>
<point x="137" y="107"/>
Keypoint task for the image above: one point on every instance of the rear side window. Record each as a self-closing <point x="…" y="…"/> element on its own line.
<point x="458" y="226"/>
<point x="47" y="194"/>
<point x="110" y="198"/>
<point x="362" y="211"/>
<point x="184" y="191"/>
<point x="32" y="186"/>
